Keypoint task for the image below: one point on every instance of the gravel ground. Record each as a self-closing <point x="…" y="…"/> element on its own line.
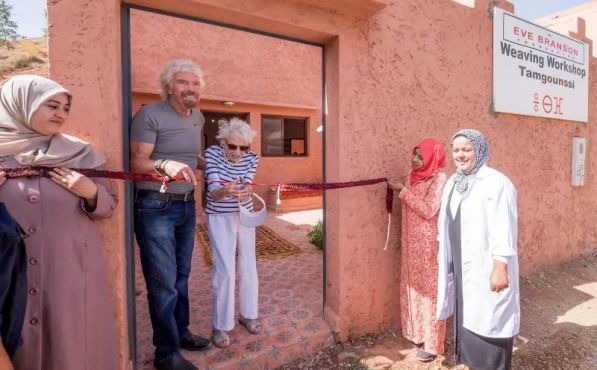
<point x="558" y="331"/>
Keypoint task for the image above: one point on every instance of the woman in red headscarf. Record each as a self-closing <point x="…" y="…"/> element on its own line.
<point x="420" y="200"/>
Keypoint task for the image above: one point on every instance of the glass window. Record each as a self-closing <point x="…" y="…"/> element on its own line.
<point x="283" y="136"/>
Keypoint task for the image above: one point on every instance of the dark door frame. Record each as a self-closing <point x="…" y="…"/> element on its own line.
<point x="125" y="38"/>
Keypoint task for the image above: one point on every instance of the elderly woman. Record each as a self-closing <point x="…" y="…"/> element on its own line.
<point x="69" y="322"/>
<point x="478" y="263"/>
<point x="228" y="166"/>
<point x="420" y="201"/>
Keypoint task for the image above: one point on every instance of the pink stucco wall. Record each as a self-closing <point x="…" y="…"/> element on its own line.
<point x="84" y="51"/>
<point x="239" y="66"/>
<point x="415" y="68"/>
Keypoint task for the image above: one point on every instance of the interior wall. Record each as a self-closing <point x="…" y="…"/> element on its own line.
<point x="238" y="66"/>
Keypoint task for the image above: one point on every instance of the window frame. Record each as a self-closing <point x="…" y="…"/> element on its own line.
<point x="306" y="120"/>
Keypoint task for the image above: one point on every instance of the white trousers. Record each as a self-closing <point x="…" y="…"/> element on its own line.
<point x="225" y="234"/>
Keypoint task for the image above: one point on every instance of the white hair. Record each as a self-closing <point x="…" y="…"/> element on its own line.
<point x="235" y="128"/>
<point x="178" y="65"/>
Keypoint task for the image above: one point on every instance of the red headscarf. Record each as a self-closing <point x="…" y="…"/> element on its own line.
<point x="434" y="158"/>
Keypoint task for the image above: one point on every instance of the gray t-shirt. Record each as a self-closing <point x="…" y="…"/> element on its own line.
<point x="174" y="136"/>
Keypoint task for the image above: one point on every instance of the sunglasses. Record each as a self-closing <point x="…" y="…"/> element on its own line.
<point x="243" y="148"/>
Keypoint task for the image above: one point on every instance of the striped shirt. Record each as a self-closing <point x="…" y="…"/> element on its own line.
<point x="219" y="170"/>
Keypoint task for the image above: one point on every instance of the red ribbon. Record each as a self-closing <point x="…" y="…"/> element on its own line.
<point x="121" y="175"/>
<point x="45" y="172"/>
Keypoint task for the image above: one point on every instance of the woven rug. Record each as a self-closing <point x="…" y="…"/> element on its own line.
<point x="268" y="244"/>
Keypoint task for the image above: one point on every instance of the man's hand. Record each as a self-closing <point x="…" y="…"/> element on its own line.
<point x="178" y="170"/>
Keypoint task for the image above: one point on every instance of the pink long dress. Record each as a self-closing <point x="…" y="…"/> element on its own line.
<point x="418" y="275"/>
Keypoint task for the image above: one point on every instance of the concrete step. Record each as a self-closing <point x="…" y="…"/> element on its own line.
<point x="271" y="349"/>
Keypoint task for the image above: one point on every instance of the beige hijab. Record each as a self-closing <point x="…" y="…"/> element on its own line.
<point x="20" y="97"/>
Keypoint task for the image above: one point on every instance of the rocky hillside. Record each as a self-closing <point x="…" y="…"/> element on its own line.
<point x="27" y="56"/>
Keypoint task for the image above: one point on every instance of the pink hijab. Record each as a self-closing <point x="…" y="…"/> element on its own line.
<point x="20" y="97"/>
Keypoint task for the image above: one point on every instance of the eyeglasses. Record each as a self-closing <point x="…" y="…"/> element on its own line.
<point x="243" y="148"/>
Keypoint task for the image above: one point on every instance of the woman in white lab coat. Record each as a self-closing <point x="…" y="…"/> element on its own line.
<point x="478" y="262"/>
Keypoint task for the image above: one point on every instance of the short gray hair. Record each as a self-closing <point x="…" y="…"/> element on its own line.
<point x="235" y="127"/>
<point x="178" y="65"/>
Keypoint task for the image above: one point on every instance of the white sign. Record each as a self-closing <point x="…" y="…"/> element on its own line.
<point x="538" y="72"/>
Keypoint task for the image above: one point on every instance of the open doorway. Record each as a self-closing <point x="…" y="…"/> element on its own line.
<point x="211" y="124"/>
<point x="276" y="85"/>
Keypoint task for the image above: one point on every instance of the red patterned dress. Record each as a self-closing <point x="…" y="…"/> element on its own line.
<point x="418" y="275"/>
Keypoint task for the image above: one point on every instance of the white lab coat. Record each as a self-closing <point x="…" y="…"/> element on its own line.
<point x="488" y="230"/>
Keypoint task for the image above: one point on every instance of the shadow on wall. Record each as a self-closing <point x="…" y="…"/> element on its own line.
<point x="558" y="331"/>
<point x="559" y="318"/>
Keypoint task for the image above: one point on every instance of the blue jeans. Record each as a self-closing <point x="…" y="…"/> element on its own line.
<point x="165" y="234"/>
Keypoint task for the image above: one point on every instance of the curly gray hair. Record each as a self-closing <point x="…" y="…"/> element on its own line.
<point x="237" y="128"/>
<point x="178" y="65"/>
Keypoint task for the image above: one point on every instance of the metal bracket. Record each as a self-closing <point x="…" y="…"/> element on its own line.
<point x="491" y="7"/>
<point x="491" y="110"/>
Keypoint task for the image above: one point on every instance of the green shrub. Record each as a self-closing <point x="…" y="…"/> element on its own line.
<point x="316" y="235"/>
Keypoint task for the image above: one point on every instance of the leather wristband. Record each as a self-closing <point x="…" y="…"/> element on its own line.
<point x="158" y="166"/>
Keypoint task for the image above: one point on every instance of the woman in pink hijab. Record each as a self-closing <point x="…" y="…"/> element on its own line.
<point x="420" y="200"/>
<point x="69" y="319"/>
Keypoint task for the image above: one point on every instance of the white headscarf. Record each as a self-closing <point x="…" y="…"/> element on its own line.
<point x="20" y="97"/>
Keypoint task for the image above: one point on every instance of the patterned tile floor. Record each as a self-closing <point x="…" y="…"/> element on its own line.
<point x="290" y="305"/>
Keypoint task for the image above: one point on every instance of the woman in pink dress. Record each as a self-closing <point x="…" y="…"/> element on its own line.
<point x="420" y="200"/>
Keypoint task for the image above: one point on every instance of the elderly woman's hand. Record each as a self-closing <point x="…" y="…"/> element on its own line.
<point x="498" y="280"/>
<point x="225" y="191"/>
<point x="244" y="193"/>
<point x="78" y="184"/>
<point x="230" y="189"/>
